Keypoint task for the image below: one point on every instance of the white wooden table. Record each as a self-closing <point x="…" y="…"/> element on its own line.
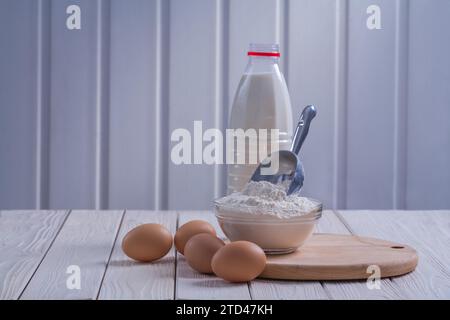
<point x="37" y="249"/>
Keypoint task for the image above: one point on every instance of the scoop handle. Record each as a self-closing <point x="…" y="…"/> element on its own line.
<point x="308" y="113"/>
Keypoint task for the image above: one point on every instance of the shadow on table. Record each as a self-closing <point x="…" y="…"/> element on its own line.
<point x="128" y="262"/>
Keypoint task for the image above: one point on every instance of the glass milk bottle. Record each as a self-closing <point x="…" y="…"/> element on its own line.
<point x="261" y="102"/>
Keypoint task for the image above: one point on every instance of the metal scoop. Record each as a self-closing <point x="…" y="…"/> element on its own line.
<point x="290" y="171"/>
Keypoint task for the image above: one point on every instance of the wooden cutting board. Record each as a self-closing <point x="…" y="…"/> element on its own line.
<point x="341" y="257"/>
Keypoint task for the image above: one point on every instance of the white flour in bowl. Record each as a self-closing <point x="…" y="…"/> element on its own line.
<point x="265" y="199"/>
<point x="262" y="213"/>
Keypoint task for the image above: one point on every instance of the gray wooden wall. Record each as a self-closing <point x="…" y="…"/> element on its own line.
<point x="86" y="115"/>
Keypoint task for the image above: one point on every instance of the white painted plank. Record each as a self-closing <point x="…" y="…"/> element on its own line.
<point x="86" y="241"/>
<point x="193" y="285"/>
<point x="73" y="107"/>
<point x="191" y="96"/>
<point x="428" y="146"/>
<point x="127" y="279"/>
<point x="287" y="290"/>
<point x="421" y="230"/>
<point x="330" y="223"/>
<point x="311" y="80"/>
<point x="25" y="237"/>
<point x="371" y="100"/>
<point x="402" y="24"/>
<point x="132" y="110"/>
<point x="18" y="103"/>
<point x="441" y="222"/>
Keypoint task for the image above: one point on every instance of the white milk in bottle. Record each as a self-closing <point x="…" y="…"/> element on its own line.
<point x="261" y="102"/>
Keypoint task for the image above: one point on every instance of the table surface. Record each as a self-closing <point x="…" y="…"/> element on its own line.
<point x="42" y="253"/>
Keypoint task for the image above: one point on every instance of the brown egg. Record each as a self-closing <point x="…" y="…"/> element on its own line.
<point x="147" y="242"/>
<point x="200" y="249"/>
<point x="189" y="229"/>
<point x="239" y="261"/>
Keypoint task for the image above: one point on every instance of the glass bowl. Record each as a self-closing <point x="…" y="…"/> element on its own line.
<point x="274" y="235"/>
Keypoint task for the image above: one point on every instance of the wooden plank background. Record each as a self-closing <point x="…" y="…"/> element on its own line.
<point x="86" y="115"/>
<point x="25" y="240"/>
<point x="39" y="246"/>
<point x="127" y="279"/>
<point x="430" y="280"/>
<point x="85" y="241"/>
<point x="132" y="123"/>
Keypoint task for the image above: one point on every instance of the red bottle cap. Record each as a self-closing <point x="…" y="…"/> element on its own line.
<point x="264" y="54"/>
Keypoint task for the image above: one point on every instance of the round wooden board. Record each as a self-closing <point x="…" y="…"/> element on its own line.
<point x="341" y="257"/>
